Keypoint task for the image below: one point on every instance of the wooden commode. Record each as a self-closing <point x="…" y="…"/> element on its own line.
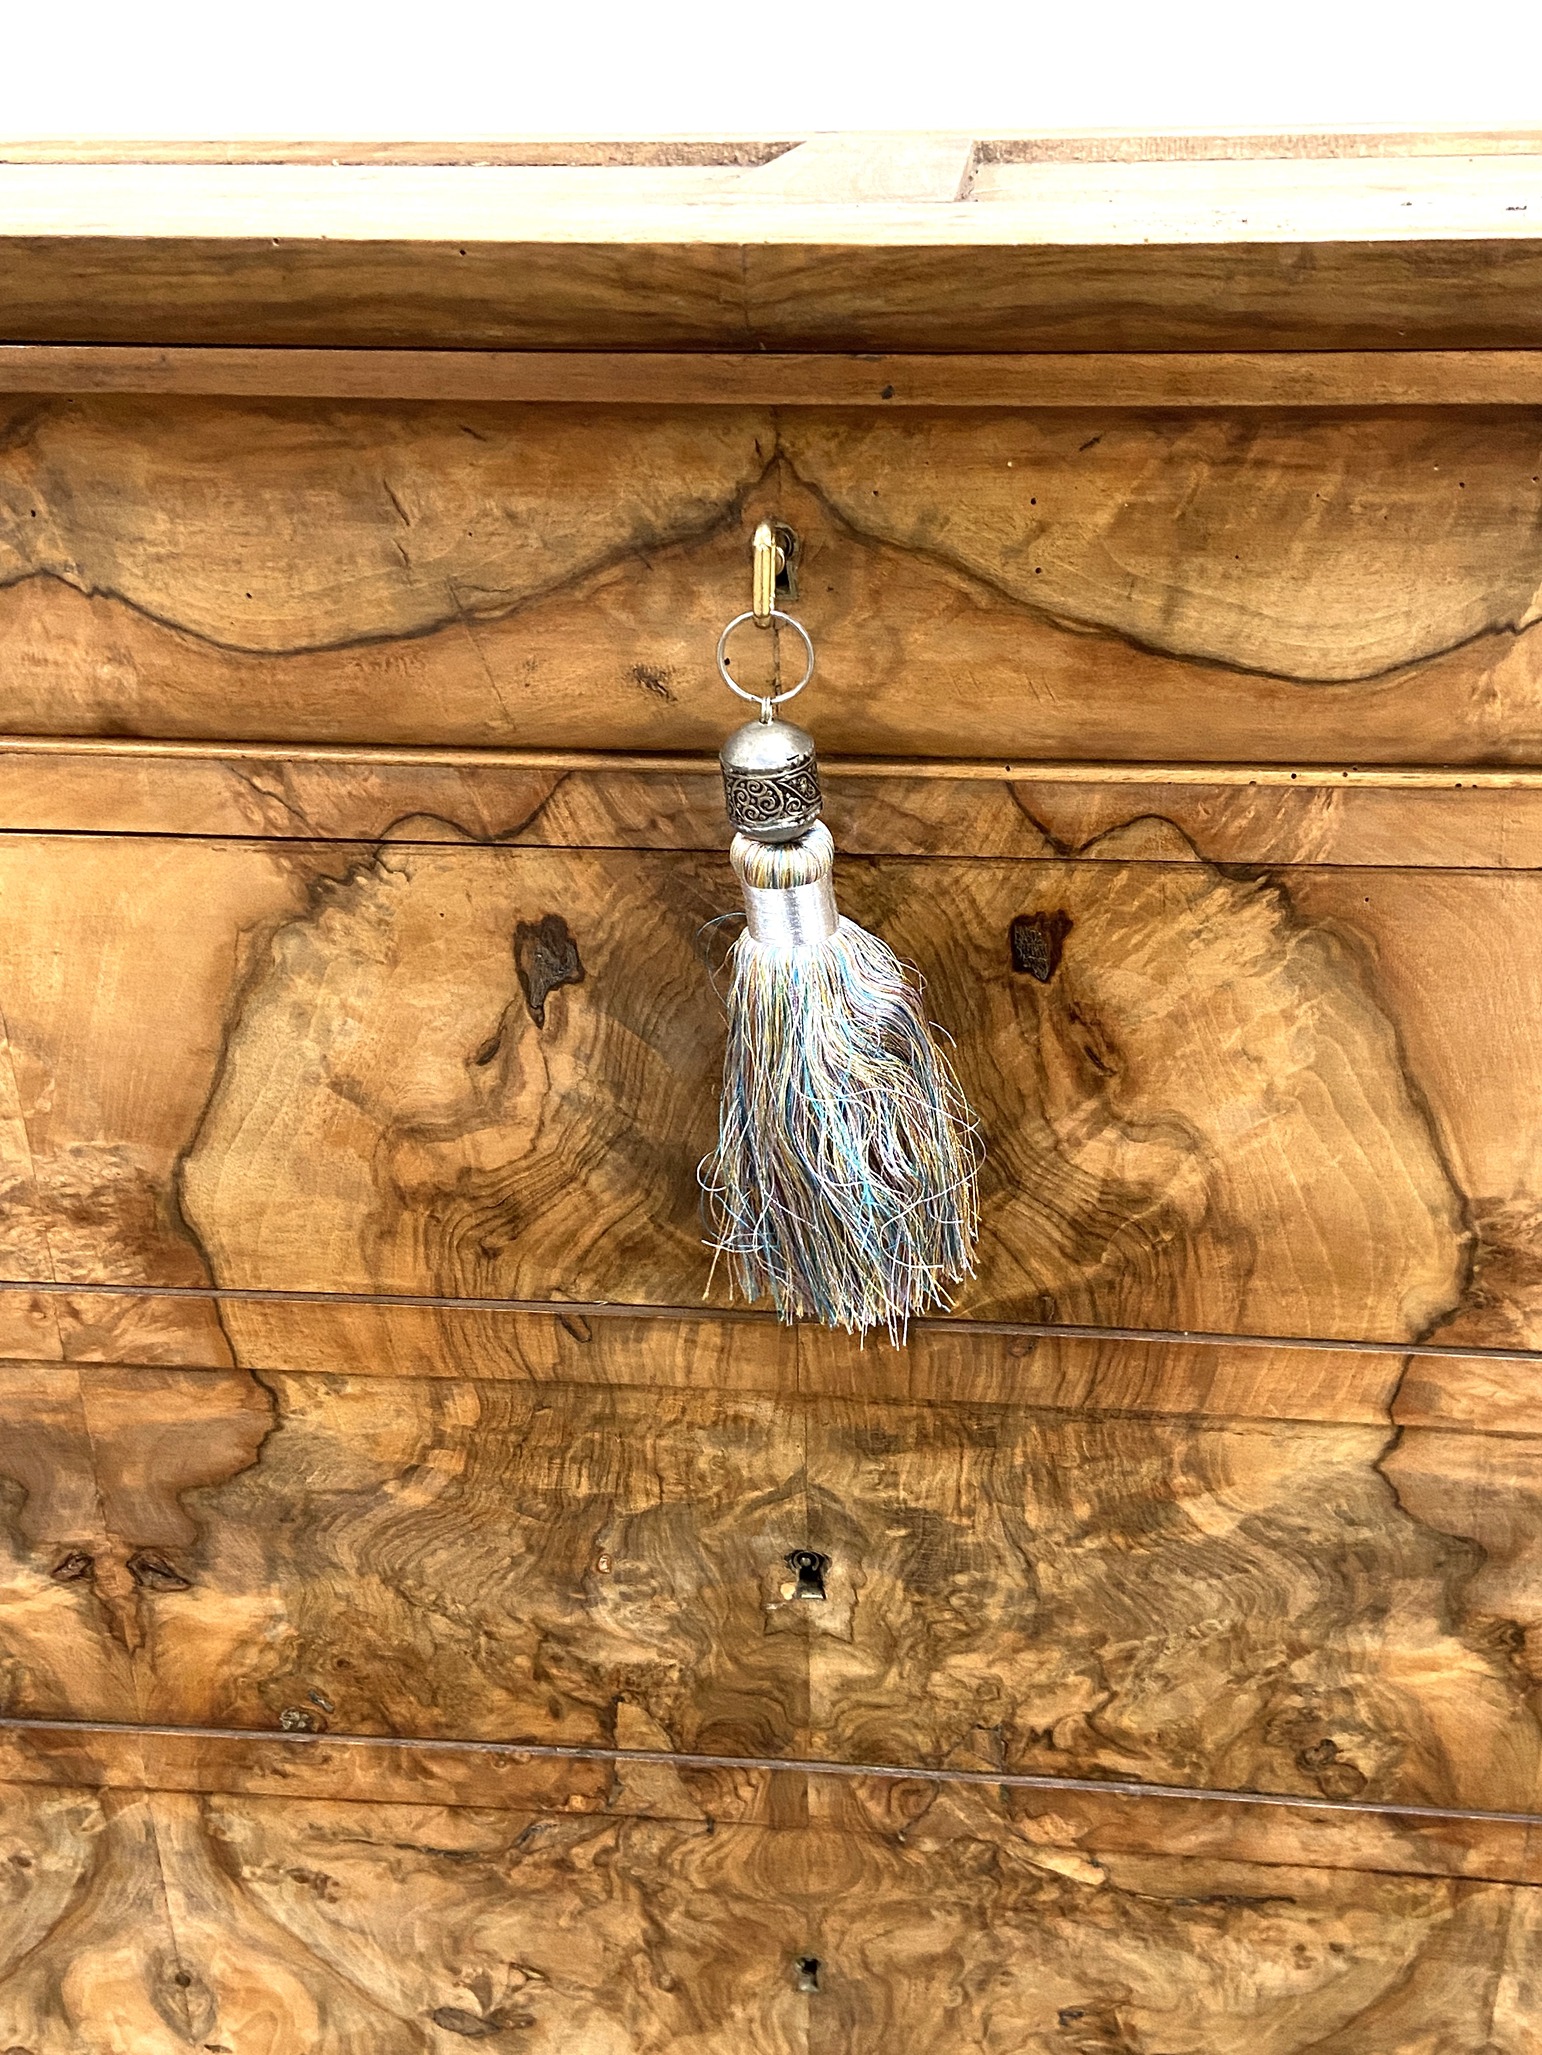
<point x="427" y="1618"/>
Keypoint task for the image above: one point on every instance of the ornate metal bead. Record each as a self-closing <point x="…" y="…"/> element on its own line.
<point x="771" y="781"/>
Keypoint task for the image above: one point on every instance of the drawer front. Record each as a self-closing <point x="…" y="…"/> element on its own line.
<point x="1259" y="585"/>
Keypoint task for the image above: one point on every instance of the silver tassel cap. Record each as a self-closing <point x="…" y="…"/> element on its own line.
<point x="770" y="781"/>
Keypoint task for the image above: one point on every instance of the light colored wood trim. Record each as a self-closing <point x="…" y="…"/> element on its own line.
<point x="1012" y="206"/>
<point x="530" y="151"/>
<point x="1245" y="146"/>
<point x="1262" y="378"/>
<point x="1362" y="777"/>
<point x="1098" y="146"/>
<point x="924" y="169"/>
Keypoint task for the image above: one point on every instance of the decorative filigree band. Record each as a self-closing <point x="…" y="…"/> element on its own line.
<point x="782" y="800"/>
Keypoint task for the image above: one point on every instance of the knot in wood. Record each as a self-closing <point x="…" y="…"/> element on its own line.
<point x="545" y="956"/>
<point x="1036" y="942"/>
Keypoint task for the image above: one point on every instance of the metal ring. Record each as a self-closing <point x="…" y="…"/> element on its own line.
<point x="760" y="698"/>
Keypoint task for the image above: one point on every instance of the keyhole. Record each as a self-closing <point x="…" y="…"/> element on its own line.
<point x="787" y="570"/>
<point x="808" y="1972"/>
<point x="809" y="1569"/>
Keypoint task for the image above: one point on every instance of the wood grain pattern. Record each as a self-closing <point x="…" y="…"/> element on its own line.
<point x="1213" y="1377"/>
<point x="583" y="294"/>
<point x="1048" y="255"/>
<point x="1340" y="589"/>
<point x="416" y="1186"/>
<point x="1121" y="378"/>
<point x="97" y="1195"/>
<point x="1330" y="1611"/>
<point x="1237" y="1104"/>
<point x="1086" y="1821"/>
<point x="345" y="1928"/>
<point x="89" y="1953"/>
<point x="627" y="652"/>
<point x="499" y="517"/>
<point x="1082" y="518"/>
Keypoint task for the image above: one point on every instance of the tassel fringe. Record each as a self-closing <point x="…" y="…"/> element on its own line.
<point x="844" y="1184"/>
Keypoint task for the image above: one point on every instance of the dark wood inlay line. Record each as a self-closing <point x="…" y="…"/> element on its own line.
<point x="1058" y="771"/>
<point x="812" y="1766"/>
<point x="626" y="1310"/>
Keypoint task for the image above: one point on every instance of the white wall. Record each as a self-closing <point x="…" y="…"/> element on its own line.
<point x="473" y="68"/>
